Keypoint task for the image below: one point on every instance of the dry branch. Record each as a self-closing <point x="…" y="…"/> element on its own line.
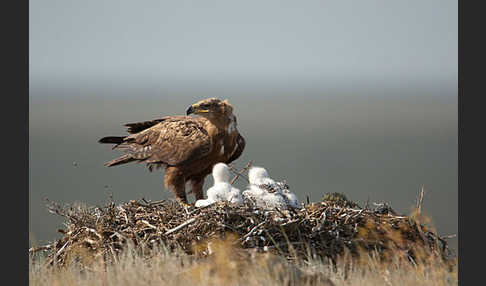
<point x="240" y="173"/>
<point x="180" y="226"/>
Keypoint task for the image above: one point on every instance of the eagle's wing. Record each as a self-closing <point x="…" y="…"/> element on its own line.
<point x="136" y="127"/>
<point x="240" y="141"/>
<point x="174" y="140"/>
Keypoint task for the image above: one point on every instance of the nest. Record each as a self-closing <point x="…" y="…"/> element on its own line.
<point x="326" y="229"/>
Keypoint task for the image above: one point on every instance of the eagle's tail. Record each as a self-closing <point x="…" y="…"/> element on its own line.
<point x="120" y="160"/>
<point x="112" y="139"/>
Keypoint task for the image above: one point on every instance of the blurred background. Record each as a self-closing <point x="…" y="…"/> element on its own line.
<point x="357" y="97"/>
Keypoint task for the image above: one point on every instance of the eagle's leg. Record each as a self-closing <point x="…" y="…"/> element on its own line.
<point x="174" y="181"/>
<point x="197" y="188"/>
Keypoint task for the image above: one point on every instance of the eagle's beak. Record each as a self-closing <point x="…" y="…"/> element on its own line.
<point x="190" y="110"/>
<point x="196" y="109"/>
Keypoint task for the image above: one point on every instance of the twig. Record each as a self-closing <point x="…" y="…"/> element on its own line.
<point x="60" y="251"/>
<point x="448" y="236"/>
<point x="419" y="211"/>
<point x="156" y="203"/>
<point x="251" y="231"/>
<point x="420" y="201"/>
<point x="148" y="224"/>
<point x="39" y="248"/>
<point x="180" y="226"/>
<point x="240" y="173"/>
<point x="280" y="212"/>
<point x="140" y="204"/>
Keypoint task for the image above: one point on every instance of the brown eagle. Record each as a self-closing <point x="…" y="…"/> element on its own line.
<point x="188" y="147"/>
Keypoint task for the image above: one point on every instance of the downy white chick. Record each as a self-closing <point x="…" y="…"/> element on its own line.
<point x="221" y="190"/>
<point x="265" y="192"/>
<point x="291" y="198"/>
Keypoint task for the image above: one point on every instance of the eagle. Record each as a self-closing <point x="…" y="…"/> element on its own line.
<point x="187" y="147"/>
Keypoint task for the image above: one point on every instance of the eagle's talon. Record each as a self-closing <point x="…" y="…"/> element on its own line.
<point x="185" y="204"/>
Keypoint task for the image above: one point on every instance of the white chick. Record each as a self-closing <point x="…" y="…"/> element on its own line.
<point x="234" y="196"/>
<point x="222" y="190"/>
<point x="204" y="203"/>
<point x="264" y="191"/>
<point x="257" y="177"/>
<point x="274" y="200"/>
<point x="291" y="199"/>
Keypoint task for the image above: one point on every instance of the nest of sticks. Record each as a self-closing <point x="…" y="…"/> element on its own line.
<point x="323" y="229"/>
<point x="329" y="229"/>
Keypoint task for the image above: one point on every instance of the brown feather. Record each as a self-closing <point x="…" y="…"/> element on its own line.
<point x="120" y="160"/>
<point x="188" y="147"/>
<point x="111" y="140"/>
<point x="175" y="140"/>
<point x="239" y="149"/>
<point x="140" y="126"/>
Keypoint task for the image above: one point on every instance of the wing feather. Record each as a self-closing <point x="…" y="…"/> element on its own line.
<point x="136" y="127"/>
<point x="240" y="141"/>
<point x="174" y="140"/>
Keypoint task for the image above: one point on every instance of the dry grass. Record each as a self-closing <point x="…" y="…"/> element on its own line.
<point x="388" y="249"/>
<point x="230" y="265"/>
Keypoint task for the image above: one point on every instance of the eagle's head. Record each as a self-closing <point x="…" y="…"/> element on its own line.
<point x="211" y="108"/>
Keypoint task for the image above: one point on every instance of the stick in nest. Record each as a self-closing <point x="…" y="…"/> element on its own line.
<point x="251" y="231"/>
<point x="420" y="201"/>
<point x="240" y="173"/>
<point x="188" y="222"/>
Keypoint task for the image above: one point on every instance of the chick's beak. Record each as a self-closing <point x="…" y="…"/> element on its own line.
<point x="190" y="110"/>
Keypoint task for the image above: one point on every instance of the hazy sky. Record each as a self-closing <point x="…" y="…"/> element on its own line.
<point x="243" y="41"/>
